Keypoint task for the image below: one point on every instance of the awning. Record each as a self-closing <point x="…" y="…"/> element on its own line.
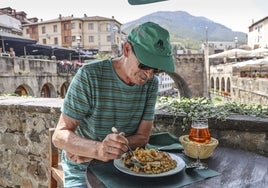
<point x="18" y="43"/>
<point x="16" y="38"/>
<point x="50" y="50"/>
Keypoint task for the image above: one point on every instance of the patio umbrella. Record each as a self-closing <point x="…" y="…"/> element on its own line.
<point x="252" y="63"/>
<point x="259" y="52"/>
<point x="231" y="53"/>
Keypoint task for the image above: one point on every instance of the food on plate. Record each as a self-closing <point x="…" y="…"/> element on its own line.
<point x="153" y="161"/>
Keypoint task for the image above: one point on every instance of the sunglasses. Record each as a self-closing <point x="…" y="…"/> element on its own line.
<point x="145" y="67"/>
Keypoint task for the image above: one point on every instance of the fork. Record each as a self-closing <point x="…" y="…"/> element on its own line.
<point x="134" y="159"/>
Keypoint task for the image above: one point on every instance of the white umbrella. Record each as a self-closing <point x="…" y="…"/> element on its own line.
<point x="257" y="63"/>
<point x="259" y="52"/>
<point x="231" y="53"/>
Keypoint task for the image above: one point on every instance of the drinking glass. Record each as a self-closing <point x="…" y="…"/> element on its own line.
<point x="199" y="134"/>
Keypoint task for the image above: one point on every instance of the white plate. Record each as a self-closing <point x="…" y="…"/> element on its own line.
<point x="180" y="166"/>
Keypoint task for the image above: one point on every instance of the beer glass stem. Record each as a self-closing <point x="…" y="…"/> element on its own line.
<point x="198" y="154"/>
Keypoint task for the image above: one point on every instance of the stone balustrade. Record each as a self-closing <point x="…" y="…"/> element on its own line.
<point x="24" y="137"/>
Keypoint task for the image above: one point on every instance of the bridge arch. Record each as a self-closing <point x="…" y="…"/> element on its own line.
<point x="181" y="85"/>
<point x="24" y="90"/>
<point x="222" y="84"/>
<point x="212" y="84"/>
<point x="48" y="91"/>
<point x="217" y="84"/>
<point x="228" y="85"/>
<point x="63" y="89"/>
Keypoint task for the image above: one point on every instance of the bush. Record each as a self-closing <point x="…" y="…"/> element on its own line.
<point x="201" y="107"/>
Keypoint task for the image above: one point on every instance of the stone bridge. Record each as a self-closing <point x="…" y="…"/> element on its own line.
<point x="33" y="77"/>
<point x="43" y="78"/>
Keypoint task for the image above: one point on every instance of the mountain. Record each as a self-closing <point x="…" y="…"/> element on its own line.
<point x="189" y="30"/>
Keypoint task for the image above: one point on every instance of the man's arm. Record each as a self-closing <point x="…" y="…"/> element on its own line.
<point x="142" y="135"/>
<point x="112" y="147"/>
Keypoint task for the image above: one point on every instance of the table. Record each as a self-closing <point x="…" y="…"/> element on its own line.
<point x="238" y="168"/>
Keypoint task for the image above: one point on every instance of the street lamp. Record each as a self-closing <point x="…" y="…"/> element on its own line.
<point x="78" y="39"/>
<point x="114" y="42"/>
<point x="206" y="35"/>
<point x="207" y="65"/>
<point x="235" y="40"/>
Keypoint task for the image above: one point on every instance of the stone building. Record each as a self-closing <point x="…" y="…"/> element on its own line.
<point x="166" y="84"/>
<point x="257" y="35"/>
<point x="86" y="33"/>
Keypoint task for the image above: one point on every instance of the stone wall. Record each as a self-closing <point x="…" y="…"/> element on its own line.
<point x="24" y="152"/>
<point x="24" y="137"/>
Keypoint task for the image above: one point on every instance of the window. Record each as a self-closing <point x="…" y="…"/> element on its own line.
<point x="108" y="38"/>
<point x="27" y="31"/>
<point x="66" y="26"/>
<point x="55" y="28"/>
<point x="43" y="29"/>
<point x="34" y="30"/>
<point x="56" y="42"/>
<point x="90" y="26"/>
<point x="91" y="39"/>
<point x="73" y="39"/>
<point x="67" y="39"/>
<point x="44" y="41"/>
<point x="73" y="25"/>
<point x="108" y="27"/>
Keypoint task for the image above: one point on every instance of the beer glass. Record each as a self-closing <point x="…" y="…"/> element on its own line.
<point x="199" y="134"/>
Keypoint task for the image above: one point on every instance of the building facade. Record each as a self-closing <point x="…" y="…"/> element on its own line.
<point x="86" y="33"/>
<point x="165" y="84"/>
<point x="258" y="34"/>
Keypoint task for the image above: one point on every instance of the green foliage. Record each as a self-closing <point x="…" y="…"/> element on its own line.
<point x="255" y="110"/>
<point x="201" y="107"/>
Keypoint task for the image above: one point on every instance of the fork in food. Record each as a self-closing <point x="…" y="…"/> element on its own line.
<point x="134" y="159"/>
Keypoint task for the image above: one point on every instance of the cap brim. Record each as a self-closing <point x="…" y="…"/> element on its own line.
<point x="141" y="2"/>
<point x="165" y="63"/>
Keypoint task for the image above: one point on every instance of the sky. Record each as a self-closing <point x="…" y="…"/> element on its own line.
<point x="234" y="14"/>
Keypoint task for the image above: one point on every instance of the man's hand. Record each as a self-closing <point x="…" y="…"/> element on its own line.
<point x="112" y="147"/>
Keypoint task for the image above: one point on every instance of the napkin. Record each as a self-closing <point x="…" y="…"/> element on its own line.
<point x="164" y="141"/>
<point x="113" y="178"/>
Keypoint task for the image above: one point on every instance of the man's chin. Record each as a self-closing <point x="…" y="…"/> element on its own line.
<point x="141" y="82"/>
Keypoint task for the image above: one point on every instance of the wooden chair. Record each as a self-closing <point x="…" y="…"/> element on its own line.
<point x="55" y="168"/>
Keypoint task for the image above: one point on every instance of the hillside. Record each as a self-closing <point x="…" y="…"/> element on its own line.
<point x="191" y="31"/>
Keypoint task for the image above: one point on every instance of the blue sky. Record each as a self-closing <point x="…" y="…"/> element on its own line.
<point x="235" y="14"/>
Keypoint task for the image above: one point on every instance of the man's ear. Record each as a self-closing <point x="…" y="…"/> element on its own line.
<point x="126" y="49"/>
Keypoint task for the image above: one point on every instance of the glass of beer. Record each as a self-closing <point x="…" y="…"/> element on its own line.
<point x="199" y="134"/>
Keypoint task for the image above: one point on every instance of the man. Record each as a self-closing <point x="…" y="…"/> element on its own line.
<point x="119" y="92"/>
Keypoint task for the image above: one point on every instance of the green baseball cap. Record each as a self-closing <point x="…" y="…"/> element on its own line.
<point x="152" y="47"/>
